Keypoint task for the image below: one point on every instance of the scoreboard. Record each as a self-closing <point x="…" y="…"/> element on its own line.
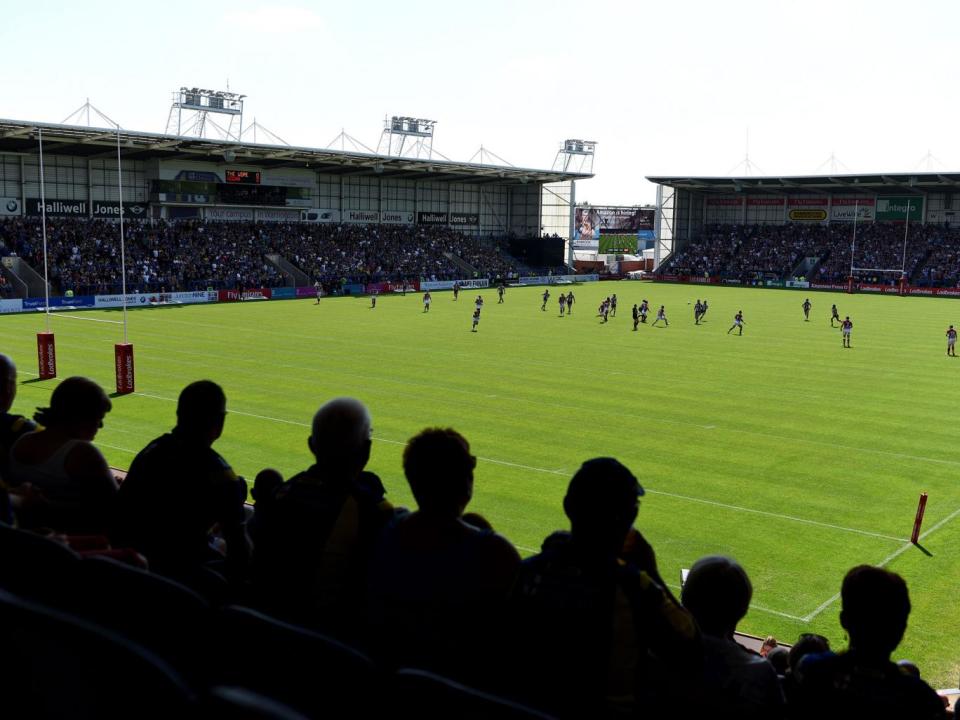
<point x="242" y="177"/>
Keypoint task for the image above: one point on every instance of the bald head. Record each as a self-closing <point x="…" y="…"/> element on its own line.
<point x="340" y="435"/>
<point x="8" y="382"/>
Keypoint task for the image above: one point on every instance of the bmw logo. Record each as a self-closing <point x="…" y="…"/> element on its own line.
<point x="12" y="206"/>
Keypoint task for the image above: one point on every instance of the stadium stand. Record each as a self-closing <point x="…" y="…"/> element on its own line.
<point x="749" y="252"/>
<point x="84" y="255"/>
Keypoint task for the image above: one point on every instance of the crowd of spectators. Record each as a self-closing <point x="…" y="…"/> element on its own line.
<point x="84" y="255"/>
<point x="584" y="628"/>
<point x="756" y="252"/>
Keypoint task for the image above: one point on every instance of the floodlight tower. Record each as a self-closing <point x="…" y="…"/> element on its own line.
<point x="398" y="131"/>
<point x="575" y="156"/>
<point x="191" y="109"/>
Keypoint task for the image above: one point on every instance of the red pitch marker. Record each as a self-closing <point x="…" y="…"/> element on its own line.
<point x="921" y="507"/>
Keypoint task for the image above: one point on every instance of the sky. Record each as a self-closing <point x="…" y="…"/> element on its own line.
<point x="666" y="88"/>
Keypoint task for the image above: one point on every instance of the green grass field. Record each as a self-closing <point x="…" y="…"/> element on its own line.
<point x="798" y="457"/>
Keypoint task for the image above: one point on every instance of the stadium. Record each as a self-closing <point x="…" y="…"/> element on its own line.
<point x="291" y="276"/>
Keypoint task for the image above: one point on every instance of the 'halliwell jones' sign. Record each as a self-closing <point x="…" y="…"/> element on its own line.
<point x="81" y="208"/>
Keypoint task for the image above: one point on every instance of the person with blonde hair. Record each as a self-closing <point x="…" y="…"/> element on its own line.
<point x="62" y="476"/>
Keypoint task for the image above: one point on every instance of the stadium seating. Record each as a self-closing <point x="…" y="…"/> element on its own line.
<point x="57" y="666"/>
<point x="312" y="673"/>
<point x="775" y="252"/>
<point x="35" y="567"/>
<point x="437" y="698"/>
<point x="84" y="255"/>
<point x="158" y="613"/>
<point x="234" y="703"/>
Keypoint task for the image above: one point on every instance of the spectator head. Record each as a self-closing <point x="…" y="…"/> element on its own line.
<point x="340" y="436"/>
<point x="779" y="657"/>
<point x="876" y="605"/>
<point x="77" y="406"/>
<point x="439" y="468"/>
<point x="717" y="593"/>
<point x="807" y="644"/>
<point x="8" y="382"/>
<point x="602" y="502"/>
<point x="265" y="484"/>
<point x="201" y="411"/>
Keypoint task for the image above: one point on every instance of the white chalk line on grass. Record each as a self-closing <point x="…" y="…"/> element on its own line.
<point x="88" y="319"/>
<point x="779" y="516"/>
<point x="886" y="561"/>
<point x="761" y="608"/>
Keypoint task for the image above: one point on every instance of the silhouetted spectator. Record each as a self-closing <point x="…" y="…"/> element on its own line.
<point x="11" y="428"/>
<point x="62" y="478"/>
<point x="862" y="681"/>
<point x="315" y="538"/>
<point x="265" y="485"/>
<point x="179" y="490"/>
<point x="597" y="631"/>
<point x="806" y="644"/>
<point x="779" y="657"/>
<point x="737" y="683"/>
<point x="437" y="580"/>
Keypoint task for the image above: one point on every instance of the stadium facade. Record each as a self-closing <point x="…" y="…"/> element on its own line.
<point x="688" y="204"/>
<point x="168" y="176"/>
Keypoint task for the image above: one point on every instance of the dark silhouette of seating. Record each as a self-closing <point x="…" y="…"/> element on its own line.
<point x="313" y="673"/>
<point x="35" y="567"/>
<point x="55" y="665"/>
<point x="162" y="615"/>
<point x="233" y="703"/>
<point x="437" y="698"/>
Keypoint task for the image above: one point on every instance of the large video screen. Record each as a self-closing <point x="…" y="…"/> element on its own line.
<point x="592" y="222"/>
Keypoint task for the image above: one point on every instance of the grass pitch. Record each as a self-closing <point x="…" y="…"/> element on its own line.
<point x="781" y="448"/>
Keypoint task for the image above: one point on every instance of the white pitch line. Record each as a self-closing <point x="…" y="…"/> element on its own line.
<point x="377" y="439"/>
<point x="88" y="319"/>
<point x="761" y="608"/>
<point x="116" y="447"/>
<point x="886" y="561"/>
<point x="779" y="516"/>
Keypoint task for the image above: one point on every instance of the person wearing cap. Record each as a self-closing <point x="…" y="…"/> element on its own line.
<point x="63" y="479"/>
<point x="598" y="630"/>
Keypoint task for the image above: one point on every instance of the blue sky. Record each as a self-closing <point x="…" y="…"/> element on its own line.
<point x="664" y="88"/>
